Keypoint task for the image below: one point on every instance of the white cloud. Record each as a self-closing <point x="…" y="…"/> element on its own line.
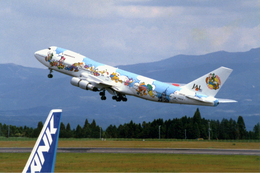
<point x="224" y="38"/>
<point x="249" y="40"/>
<point x="117" y="43"/>
<point x="90" y="9"/>
<point x="126" y="32"/>
<point x="141" y="12"/>
<point x="248" y="100"/>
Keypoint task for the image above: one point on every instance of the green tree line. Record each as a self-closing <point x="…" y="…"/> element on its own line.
<point x="185" y="127"/>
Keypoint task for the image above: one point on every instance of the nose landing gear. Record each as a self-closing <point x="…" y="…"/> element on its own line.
<point x="50" y="75"/>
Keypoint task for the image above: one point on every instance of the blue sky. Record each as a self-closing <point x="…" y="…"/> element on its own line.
<point x="127" y="32"/>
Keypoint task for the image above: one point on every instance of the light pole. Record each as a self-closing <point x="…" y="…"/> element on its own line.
<point x="100" y="132"/>
<point x="159" y="132"/>
<point x="8" y="131"/>
<point x="209" y="130"/>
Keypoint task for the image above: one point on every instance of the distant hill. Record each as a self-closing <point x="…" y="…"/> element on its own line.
<point x="27" y="95"/>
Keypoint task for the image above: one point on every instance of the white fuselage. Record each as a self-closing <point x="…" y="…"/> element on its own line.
<point x="91" y="74"/>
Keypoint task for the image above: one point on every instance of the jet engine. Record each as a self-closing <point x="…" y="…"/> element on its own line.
<point x="83" y="84"/>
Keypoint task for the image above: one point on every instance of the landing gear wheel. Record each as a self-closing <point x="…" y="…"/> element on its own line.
<point x="118" y="99"/>
<point x="114" y="97"/>
<point x="50" y="75"/>
<point x="124" y="99"/>
<point x="103" y="95"/>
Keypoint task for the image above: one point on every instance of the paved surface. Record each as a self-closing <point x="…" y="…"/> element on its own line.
<point x="140" y="150"/>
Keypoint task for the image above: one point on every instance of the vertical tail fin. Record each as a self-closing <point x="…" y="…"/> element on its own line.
<point x="210" y="83"/>
<point x="43" y="155"/>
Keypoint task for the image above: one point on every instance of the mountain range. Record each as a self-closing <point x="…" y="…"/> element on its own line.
<point x="27" y="95"/>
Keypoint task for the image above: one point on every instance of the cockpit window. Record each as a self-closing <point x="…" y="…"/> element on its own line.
<point x="52" y="48"/>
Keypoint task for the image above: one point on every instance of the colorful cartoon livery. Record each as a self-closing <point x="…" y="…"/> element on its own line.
<point x="91" y="75"/>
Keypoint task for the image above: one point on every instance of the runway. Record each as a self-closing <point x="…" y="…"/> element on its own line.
<point x="141" y="150"/>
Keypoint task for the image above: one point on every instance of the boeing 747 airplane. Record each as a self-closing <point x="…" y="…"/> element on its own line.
<point x="88" y="74"/>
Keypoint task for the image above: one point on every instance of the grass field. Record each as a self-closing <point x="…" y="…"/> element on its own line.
<point x="138" y="144"/>
<point x="105" y="162"/>
<point x="96" y="162"/>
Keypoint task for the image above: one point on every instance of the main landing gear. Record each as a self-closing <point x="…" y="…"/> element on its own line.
<point x="102" y="94"/>
<point x="119" y="98"/>
<point x="50" y="75"/>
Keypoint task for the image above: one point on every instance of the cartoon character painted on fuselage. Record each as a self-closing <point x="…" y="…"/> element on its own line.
<point x="91" y="75"/>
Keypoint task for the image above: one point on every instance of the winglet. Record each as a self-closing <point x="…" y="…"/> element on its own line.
<point x="43" y="155"/>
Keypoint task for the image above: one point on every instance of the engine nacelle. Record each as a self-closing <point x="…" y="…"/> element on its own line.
<point x="83" y="84"/>
<point x="75" y="81"/>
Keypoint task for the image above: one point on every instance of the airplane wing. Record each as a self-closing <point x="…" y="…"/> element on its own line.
<point x="97" y="82"/>
<point x="94" y="80"/>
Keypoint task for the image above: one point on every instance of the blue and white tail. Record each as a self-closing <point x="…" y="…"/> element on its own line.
<point x="210" y="83"/>
<point x="43" y="155"/>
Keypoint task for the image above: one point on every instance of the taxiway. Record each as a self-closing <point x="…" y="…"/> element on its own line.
<point x="141" y="150"/>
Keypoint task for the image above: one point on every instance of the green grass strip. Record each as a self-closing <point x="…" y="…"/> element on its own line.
<point x="103" y="162"/>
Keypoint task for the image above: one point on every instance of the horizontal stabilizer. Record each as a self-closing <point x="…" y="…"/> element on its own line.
<point x="226" y="101"/>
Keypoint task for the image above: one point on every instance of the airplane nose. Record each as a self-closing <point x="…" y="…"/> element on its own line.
<point x="37" y="55"/>
<point x="41" y="54"/>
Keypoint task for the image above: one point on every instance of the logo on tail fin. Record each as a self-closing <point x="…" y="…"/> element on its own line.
<point x="197" y="87"/>
<point x="213" y="81"/>
<point x="43" y="155"/>
<point x="36" y="165"/>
